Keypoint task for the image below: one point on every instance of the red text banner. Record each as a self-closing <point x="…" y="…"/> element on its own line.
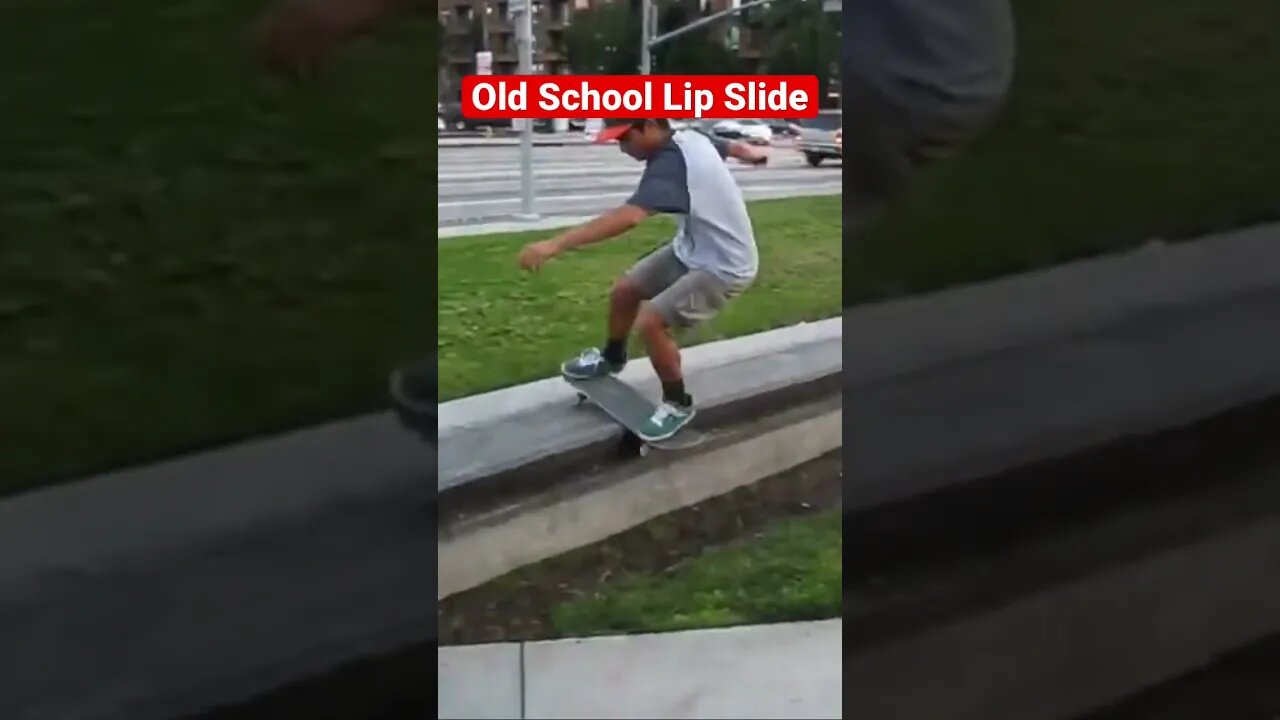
<point x="639" y="96"/>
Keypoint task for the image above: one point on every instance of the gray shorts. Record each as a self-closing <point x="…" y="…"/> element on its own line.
<point x="886" y="142"/>
<point x="681" y="297"/>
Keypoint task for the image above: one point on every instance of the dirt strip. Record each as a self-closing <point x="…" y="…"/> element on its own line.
<point x="518" y="606"/>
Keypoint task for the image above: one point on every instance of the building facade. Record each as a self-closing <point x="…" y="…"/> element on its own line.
<point x="748" y="39"/>
<point x="470" y="26"/>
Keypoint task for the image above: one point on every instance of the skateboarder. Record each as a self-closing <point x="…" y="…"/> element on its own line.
<point x="921" y="78"/>
<point x="711" y="259"/>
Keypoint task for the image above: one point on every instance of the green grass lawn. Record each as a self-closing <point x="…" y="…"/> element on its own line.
<point x="1127" y="121"/>
<point x="190" y="253"/>
<point x="500" y="326"/>
<point x="791" y="571"/>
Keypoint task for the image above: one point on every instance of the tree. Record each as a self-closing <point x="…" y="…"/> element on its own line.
<point x="700" y="52"/>
<point x="604" y="40"/>
<point x="440" y="42"/>
<point x="800" y="39"/>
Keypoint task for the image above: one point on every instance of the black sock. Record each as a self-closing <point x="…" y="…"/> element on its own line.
<point x="673" y="392"/>
<point x="615" y="351"/>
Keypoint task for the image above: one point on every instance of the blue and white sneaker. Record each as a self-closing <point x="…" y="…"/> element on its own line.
<point x="665" y="421"/>
<point x="590" y="365"/>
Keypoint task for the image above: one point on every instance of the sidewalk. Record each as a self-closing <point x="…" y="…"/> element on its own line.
<point x="539" y="140"/>
<point x="544" y="140"/>
<point x="780" y="671"/>
<point x="546" y="222"/>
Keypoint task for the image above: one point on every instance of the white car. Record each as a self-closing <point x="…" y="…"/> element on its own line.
<point x="756" y="132"/>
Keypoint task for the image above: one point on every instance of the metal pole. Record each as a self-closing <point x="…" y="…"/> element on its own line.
<point x="646" y="34"/>
<point x="701" y="22"/>
<point x="524" y="41"/>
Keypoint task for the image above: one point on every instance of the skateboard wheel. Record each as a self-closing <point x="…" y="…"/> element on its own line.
<point x="644" y="450"/>
<point x="581" y="398"/>
<point x="631" y="446"/>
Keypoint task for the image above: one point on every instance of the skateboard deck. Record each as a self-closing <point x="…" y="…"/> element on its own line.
<point x="627" y="407"/>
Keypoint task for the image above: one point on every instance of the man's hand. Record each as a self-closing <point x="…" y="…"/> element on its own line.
<point x="535" y="254"/>
<point x="297" y="35"/>
<point x="748" y="153"/>
<point x="611" y="224"/>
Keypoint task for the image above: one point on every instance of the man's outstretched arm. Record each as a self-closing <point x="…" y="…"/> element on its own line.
<point x="611" y="224"/>
<point x="747" y="153"/>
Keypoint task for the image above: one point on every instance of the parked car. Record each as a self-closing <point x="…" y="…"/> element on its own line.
<point x="785" y="128"/>
<point x="756" y="132"/>
<point x="451" y="114"/>
<point x="821" y="137"/>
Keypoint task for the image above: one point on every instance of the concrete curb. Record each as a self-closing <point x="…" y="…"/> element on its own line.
<point x="508" y="142"/>
<point x="715" y="673"/>
<point x="485" y="408"/>
<point x="543" y="423"/>
<point x="1083" y="643"/>
<point x="915" y="333"/>
<point x="159" y="510"/>
<point x="555" y="222"/>
<point x="947" y="425"/>
<point x="570" y="517"/>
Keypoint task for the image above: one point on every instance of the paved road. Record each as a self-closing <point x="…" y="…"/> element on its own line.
<point x="482" y="184"/>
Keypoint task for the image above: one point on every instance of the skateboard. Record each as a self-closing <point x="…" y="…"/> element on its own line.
<point x="627" y="407"/>
<point x="424" y="424"/>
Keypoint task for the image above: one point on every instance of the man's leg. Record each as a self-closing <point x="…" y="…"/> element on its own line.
<point x="886" y="145"/>
<point x="694" y="298"/>
<point x="664" y="353"/>
<point x="651" y="275"/>
<point x="624" y="304"/>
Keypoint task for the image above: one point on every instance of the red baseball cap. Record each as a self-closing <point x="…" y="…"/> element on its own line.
<point x="615" y="128"/>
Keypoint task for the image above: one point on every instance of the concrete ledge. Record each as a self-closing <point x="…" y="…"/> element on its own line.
<point x="1073" y="645"/>
<point x="908" y="335"/>
<point x="981" y="380"/>
<point x="219" y="621"/>
<point x="480" y="549"/>
<point x="486" y="408"/>
<point x="484" y="435"/>
<point x="148" y="513"/>
<point x="992" y="414"/>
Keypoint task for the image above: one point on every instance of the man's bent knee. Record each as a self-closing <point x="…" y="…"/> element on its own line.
<point x="651" y="323"/>
<point x="625" y="292"/>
